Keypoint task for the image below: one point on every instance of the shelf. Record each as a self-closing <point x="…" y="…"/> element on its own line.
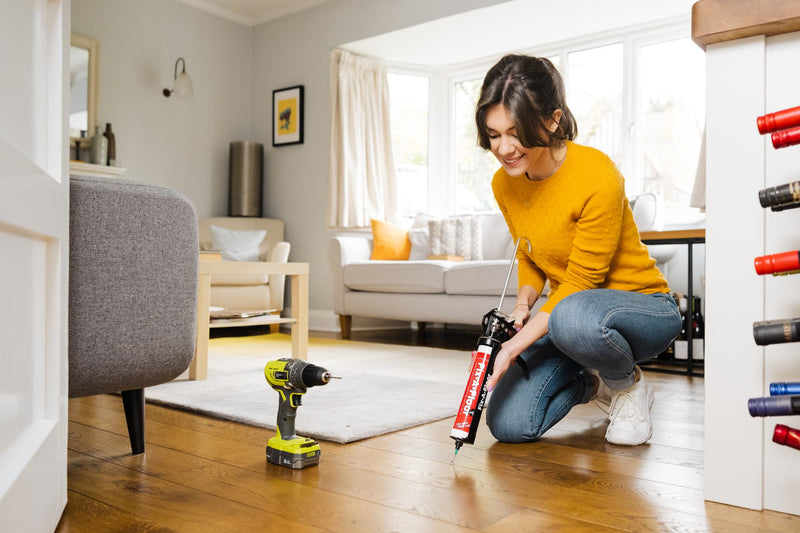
<point x="253" y="321"/>
<point x="81" y="168"/>
<point x="676" y="366"/>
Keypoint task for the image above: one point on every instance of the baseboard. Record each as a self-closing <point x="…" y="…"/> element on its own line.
<point x="327" y="320"/>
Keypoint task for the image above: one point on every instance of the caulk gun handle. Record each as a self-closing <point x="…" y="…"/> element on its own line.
<point x="287" y="411"/>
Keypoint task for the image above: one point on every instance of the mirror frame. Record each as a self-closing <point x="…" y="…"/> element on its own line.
<point x="93" y="46"/>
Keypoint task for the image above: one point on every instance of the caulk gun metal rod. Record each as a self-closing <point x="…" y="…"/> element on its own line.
<point x="510" y="268"/>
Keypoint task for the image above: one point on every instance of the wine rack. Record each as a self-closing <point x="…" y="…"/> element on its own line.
<point x="784" y="129"/>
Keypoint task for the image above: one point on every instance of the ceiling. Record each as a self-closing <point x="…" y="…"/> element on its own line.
<point x="514" y="25"/>
<point x="252" y="12"/>
<point x="474" y="34"/>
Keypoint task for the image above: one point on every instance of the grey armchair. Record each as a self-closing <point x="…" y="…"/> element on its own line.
<point x="133" y="273"/>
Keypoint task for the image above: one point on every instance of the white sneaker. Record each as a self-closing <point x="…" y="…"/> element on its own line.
<point x="602" y="397"/>
<point x="630" y="414"/>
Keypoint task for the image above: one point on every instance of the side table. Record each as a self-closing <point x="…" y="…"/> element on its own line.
<point x="689" y="238"/>
<point x="298" y="272"/>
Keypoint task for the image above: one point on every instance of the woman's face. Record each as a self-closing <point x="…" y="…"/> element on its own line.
<point x="506" y="147"/>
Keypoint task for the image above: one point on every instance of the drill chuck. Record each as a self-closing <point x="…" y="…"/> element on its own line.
<point x="311" y="376"/>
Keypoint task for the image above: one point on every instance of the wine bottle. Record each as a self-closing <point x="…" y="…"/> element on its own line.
<point x="774" y="405"/>
<point x="669" y="352"/>
<point x="682" y="342"/>
<point x="784" y="138"/>
<point x="780" y="197"/>
<point x="786" y="436"/>
<point x="779" y="120"/>
<point x="698" y="330"/>
<point x="782" y="388"/>
<point x="778" y="264"/>
<point x="776" y="331"/>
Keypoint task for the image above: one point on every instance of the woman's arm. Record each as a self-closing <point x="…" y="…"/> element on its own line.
<point x="526" y="298"/>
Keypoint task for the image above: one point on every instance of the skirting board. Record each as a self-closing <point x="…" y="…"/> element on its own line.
<point x="327" y="320"/>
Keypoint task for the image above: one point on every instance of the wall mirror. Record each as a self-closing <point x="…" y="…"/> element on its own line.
<point x="83" y="60"/>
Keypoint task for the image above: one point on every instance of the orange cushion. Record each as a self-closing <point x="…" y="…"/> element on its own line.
<point x="389" y="241"/>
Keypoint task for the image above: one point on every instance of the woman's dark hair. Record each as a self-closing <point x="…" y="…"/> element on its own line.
<point x="531" y="89"/>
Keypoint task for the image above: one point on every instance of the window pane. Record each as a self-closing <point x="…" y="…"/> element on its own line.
<point x="672" y="113"/>
<point x="474" y="165"/>
<point x="409" y="116"/>
<point x="594" y="96"/>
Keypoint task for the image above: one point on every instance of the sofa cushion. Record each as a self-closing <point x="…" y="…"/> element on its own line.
<point x="396" y="276"/>
<point x="458" y="235"/>
<point x="419" y="243"/>
<point x="496" y="239"/>
<point x="237" y="245"/>
<point x="389" y="241"/>
<point x="419" y="235"/>
<point x="485" y="277"/>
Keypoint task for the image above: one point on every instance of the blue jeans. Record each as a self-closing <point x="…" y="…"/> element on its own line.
<point x="603" y="329"/>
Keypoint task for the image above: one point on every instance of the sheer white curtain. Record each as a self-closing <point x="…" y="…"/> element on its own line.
<point x="362" y="178"/>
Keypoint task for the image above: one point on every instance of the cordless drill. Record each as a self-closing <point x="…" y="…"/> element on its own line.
<point x="291" y="378"/>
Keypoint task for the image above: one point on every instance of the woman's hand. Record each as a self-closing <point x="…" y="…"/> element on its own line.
<point x="521" y="313"/>
<point x="502" y="362"/>
<point x="533" y="330"/>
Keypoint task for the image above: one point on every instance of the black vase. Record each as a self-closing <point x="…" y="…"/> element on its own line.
<point x="112" y="146"/>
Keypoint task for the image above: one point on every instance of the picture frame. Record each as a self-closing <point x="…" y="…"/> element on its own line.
<point x="287" y="116"/>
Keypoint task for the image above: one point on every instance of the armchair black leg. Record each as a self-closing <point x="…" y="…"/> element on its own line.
<point x="133" y="402"/>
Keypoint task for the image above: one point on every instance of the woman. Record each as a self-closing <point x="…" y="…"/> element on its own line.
<point x="609" y="307"/>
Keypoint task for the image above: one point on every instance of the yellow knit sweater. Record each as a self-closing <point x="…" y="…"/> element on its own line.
<point x="580" y="226"/>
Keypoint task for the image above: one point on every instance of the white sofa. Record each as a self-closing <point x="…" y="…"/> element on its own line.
<point x="248" y="293"/>
<point x="422" y="290"/>
<point x="442" y="291"/>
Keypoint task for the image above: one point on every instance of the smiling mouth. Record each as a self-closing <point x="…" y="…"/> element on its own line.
<point x="512" y="162"/>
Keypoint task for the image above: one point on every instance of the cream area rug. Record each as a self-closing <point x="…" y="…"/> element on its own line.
<point x="384" y="388"/>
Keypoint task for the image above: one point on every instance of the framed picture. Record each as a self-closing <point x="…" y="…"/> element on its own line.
<point x="287" y="116"/>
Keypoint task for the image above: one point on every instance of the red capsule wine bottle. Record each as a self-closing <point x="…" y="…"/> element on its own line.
<point x="779" y="120"/>
<point x="778" y="264"/>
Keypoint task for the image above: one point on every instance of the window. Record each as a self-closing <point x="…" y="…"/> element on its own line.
<point x="639" y="98"/>
<point x="672" y="116"/>
<point x="594" y="95"/>
<point x="474" y="165"/>
<point x="409" y="116"/>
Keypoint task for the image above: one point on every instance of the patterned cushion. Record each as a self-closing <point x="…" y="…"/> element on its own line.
<point x="459" y="235"/>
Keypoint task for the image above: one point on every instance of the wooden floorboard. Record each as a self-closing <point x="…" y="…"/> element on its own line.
<point x="204" y="474"/>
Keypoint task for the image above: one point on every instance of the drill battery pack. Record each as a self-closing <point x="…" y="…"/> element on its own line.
<point x="297" y="453"/>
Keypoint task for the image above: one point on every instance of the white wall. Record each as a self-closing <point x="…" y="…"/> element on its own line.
<point x="235" y="68"/>
<point x="162" y="140"/>
<point x="295" y="51"/>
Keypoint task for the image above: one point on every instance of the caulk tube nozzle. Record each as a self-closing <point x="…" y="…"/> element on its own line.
<point x="774" y="406"/>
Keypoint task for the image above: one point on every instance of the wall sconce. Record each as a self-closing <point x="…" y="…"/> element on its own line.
<point x="183" y="83"/>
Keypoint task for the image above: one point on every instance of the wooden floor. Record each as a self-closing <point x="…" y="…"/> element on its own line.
<point x="202" y="474"/>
